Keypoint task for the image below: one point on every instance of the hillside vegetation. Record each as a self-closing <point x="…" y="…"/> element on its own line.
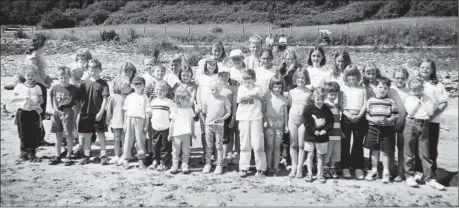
<point x="71" y="13"/>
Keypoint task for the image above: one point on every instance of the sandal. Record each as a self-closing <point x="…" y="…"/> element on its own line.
<point x="321" y="179"/>
<point x="308" y="178"/>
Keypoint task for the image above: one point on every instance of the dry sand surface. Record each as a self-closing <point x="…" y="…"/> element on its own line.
<point x="38" y="184"/>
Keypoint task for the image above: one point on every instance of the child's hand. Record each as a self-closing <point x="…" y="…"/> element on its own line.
<point x="169" y="138"/>
<point x="317" y="133"/>
<point x="285" y="129"/>
<point x="265" y="124"/>
<point x="99" y="116"/>
<point x="193" y="137"/>
<point x="323" y="132"/>
<point x="231" y="124"/>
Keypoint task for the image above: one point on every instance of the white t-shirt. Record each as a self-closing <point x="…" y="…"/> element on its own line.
<point x="423" y="111"/>
<point x="201" y="64"/>
<point x="438" y="94"/>
<point x="251" y="62"/>
<point x="282" y="40"/>
<point x="160" y="110"/>
<point x="236" y="74"/>
<point x="183" y="117"/>
<point x="149" y="80"/>
<point x="248" y="110"/>
<point x="33" y="93"/>
<point x="263" y="77"/>
<point x="203" y="85"/>
<point x="137" y="105"/>
<point x="339" y="79"/>
<point x="269" y="41"/>
<point x="171" y="79"/>
<point x="317" y="76"/>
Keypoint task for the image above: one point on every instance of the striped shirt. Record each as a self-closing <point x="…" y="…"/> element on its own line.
<point x="160" y="110"/>
<point x="382" y="107"/>
<point x="151" y="94"/>
<point x="335" y="133"/>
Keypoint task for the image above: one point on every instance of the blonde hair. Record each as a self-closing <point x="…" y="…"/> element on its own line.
<point x="317" y="92"/>
<point x="161" y="84"/>
<point x="182" y="96"/>
<point x="217" y="83"/>
<point x="64" y="70"/>
<point x="415" y="83"/>
<point x="83" y="53"/>
<point x="76" y="71"/>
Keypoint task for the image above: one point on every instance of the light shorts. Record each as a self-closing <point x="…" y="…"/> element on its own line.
<point x="320" y="147"/>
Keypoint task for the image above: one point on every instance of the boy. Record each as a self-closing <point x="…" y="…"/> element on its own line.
<point x="161" y="107"/>
<point x="171" y="77"/>
<point x="230" y="92"/>
<point x="253" y="61"/>
<point x="333" y="156"/>
<point x="148" y="75"/>
<point x="249" y="114"/>
<point x="94" y="95"/>
<point x="419" y="108"/>
<point x="63" y="97"/>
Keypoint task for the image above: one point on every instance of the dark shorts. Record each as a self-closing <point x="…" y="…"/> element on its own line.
<point x="380" y="138"/>
<point x="62" y="121"/>
<point x="88" y="124"/>
<point x="226" y="130"/>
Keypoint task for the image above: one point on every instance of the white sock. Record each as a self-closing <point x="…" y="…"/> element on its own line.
<point x="86" y="153"/>
<point x="103" y="152"/>
<point x="374" y="169"/>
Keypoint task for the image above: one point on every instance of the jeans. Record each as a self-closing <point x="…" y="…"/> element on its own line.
<point x="214" y="132"/>
<point x="353" y="158"/>
<point x="161" y="147"/>
<point x="251" y="134"/>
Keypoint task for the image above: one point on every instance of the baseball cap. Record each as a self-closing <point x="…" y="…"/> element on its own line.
<point x="236" y="53"/>
<point x="138" y="80"/>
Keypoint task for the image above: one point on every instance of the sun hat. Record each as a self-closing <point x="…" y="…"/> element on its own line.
<point x="138" y="80"/>
<point x="236" y="53"/>
<point x="255" y="39"/>
<point x="211" y="58"/>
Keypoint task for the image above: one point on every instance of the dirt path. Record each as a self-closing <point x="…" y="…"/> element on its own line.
<point x="38" y="184"/>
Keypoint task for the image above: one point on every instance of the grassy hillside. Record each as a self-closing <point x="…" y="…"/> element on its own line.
<point x="71" y="13"/>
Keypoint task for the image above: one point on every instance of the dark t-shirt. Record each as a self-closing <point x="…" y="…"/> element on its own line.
<point x="65" y="97"/>
<point x="310" y="124"/>
<point x="92" y="95"/>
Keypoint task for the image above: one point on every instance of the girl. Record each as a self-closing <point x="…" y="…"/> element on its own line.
<point x="82" y="58"/>
<point x="185" y="75"/>
<point x="297" y="100"/>
<point x="342" y="60"/>
<point x="264" y="73"/>
<point x="172" y="77"/>
<point x="382" y="112"/>
<point x="217" y="109"/>
<point x="370" y="73"/>
<point x="115" y="115"/>
<point x="353" y="122"/>
<point x="318" y="120"/>
<point x="28" y="95"/>
<point x="289" y="67"/>
<point x="182" y="130"/>
<point x="236" y="58"/>
<point x="398" y="93"/>
<point x="317" y="72"/>
<point x="218" y="54"/>
<point x="276" y="125"/>
<point x="253" y="60"/>
<point x="210" y="72"/>
<point x="434" y="89"/>
<point x="128" y="71"/>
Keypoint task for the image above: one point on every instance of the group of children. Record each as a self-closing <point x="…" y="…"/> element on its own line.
<point x="245" y="105"/>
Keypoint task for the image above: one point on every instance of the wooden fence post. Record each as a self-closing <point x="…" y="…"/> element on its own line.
<point x="318" y="32"/>
<point x="144" y="31"/>
<point x="291" y="30"/>
<point x="347" y="28"/>
<point x="189" y="30"/>
<point x="3" y="29"/>
<point x="165" y="32"/>
<point x="33" y="30"/>
<point x="382" y="25"/>
<point x="243" y="32"/>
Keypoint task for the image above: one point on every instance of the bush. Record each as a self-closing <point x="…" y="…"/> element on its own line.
<point x="99" y="16"/>
<point x="217" y="30"/>
<point x="70" y="36"/>
<point x="131" y="35"/>
<point x="152" y="46"/>
<point x="109" y="35"/>
<point x="56" y="19"/>
<point x="20" y="34"/>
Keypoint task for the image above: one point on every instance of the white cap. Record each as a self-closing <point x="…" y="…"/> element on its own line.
<point x="236" y="53"/>
<point x="223" y="69"/>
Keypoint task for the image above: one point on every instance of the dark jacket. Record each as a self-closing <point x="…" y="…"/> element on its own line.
<point x="310" y="124"/>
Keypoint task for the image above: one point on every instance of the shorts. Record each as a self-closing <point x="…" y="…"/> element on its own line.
<point x="275" y="127"/>
<point x="380" y="138"/>
<point x="320" y="147"/>
<point x="88" y="123"/>
<point x="62" y="121"/>
<point x="227" y="130"/>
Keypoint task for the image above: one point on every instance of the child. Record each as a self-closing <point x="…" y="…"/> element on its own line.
<point x="29" y="97"/>
<point x="264" y="73"/>
<point x="318" y="121"/>
<point x="137" y="110"/>
<point x="218" y="53"/>
<point x="94" y="95"/>
<point x="128" y="71"/>
<point x="382" y="112"/>
<point x="317" y="72"/>
<point x="76" y="72"/>
<point x="353" y="122"/>
<point x="342" y="60"/>
<point x="210" y="72"/>
<point x="171" y="77"/>
<point x="420" y="109"/>
<point x="181" y="130"/>
<point x="82" y="58"/>
<point x="115" y="115"/>
<point x="435" y="90"/>
<point x="297" y="100"/>
<point x="237" y="61"/>
<point x="276" y="125"/>
<point x="161" y="108"/>
<point x="253" y="60"/>
<point x="289" y="67"/>
<point x="217" y="109"/>
<point x="398" y="93"/>
<point x="370" y="73"/>
<point x="148" y="75"/>
<point x="334" y="102"/>
<point x="249" y="114"/>
<point x="230" y="93"/>
<point x="185" y="75"/>
<point x="63" y="98"/>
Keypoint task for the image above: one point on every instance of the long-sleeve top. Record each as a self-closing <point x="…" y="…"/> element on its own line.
<point x="310" y="123"/>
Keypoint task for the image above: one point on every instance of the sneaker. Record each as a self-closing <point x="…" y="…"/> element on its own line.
<point x="359" y="174"/>
<point x="411" y="182"/>
<point x="142" y="164"/>
<point x="206" y="168"/>
<point x="79" y="153"/>
<point x="418" y="177"/>
<point x="68" y="162"/>
<point x="283" y="162"/>
<point x="308" y="178"/>
<point x="114" y="160"/>
<point x="321" y="179"/>
<point x="386" y="178"/>
<point x="371" y="176"/>
<point x="83" y="161"/>
<point x="333" y="173"/>
<point x="218" y="170"/>
<point x="299" y="173"/>
<point x="398" y="178"/>
<point x="174" y="168"/>
<point x="64" y="153"/>
<point x="260" y="173"/>
<point x="327" y="172"/>
<point x="243" y="173"/>
<point x="292" y="173"/>
<point x="54" y="161"/>
<point x="346" y="173"/>
<point x="434" y="184"/>
<point x="104" y="160"/>
<point x="185" y="169"/>
<point x="161" y="166"/>
<point x="153" y="165"/>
